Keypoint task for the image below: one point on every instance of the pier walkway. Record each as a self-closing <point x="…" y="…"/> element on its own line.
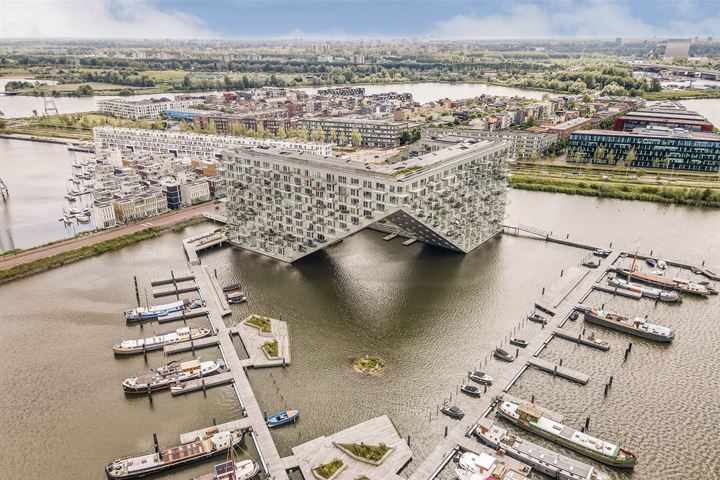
<point x="254" y="417"/>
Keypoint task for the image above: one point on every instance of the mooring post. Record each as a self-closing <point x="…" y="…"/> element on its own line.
<point x="156" y="445"/>
<point x="446" y="430"/>
<point x="561" y="272"/>
<point x="561" y="362"/>
<point x="630" y="347"/>
<point x="216" y="273"/>
<point x="603" y="307"/>
<point x="149" y="392"/>
<point x="214" y="421"/>
<point x="555" y="370"/>
<point x="408" y="440"/>
<point x="485" y="388"/>
<point x="583" y="332"/>
<point x="651" y="253"/>
<point x="543" y="292"/>
<point x="606" y="390"/>
<point x="144" y="352"/>
<point x="587" y="423"/>
<point x="610" y="245"/>
<point x="610" y="381"/>
<point x="532" y="399"/>
<point x="567" y="237"/>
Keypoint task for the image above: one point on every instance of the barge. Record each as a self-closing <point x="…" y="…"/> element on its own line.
<point x="538" y="458"/>
<point x="645" y="291"/>
<point x="637" y="326"/>
<point x="676" y="284"/>
<point x="157" y="311"/>
<point x="201" y="448"/>
<point x="173" y="373"/>
<point x="531" y="418"/>
<point x="156" y="342"/>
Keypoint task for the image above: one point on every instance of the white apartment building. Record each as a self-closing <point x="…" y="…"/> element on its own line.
<point x="103" y="214"/>
<point x="373" y="133"/>
<point x="144" y="108"/>
<point x="192" y="193"/>
<point x="522" y="144"/>
<point x="287" y="205"/>
<point x="194" y="144"/>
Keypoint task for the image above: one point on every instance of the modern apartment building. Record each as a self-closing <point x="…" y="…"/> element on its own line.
<point x="654" y="117"/>
<point x="374" y="133"/>
<point x="144" y="108"/>
<point x="522" y="144"/>
<point x="103" y="214"/>
<point x="193" y="144"/>
<point x="131" y="208"/>
<point x="654" y="147"/>
<point x="287" y="205"/>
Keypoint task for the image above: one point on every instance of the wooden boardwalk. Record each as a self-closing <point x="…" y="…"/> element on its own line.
<point x="253" y="341"/>
<point x="322" y="450"/>
<point x="580" y="340"/>
<point x="204" y="342"/>
<point x="254" y="417"/>
<point x="174" y="278"/>
<point x="176" y="290"/>
<point x="559" y="371"/>
<point x="202" y="384"/>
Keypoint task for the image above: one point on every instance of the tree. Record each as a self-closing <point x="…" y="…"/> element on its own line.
<point x="197" y="128"/>
<point x="302" y="134"/>
<point x="158" y="124"/>
<point x="599" y="156"/>
<point x="280" y="132"/>
<point x="187" y="83"/>
<point x="3" y="124"/>
<point x="184" y="127"/>
<point x="260" y="130"/>
<point x="355" y="138"/>
<point x="238" y="128"/>
<point x="629" y="159"/>
<point x="211" y="127"/>
<point x="611" y="158"/>
<point x="317" y="134"/>
<point x="655" y="85"/>
<point x="333" y="135"/>
<point x="342" y="139"/>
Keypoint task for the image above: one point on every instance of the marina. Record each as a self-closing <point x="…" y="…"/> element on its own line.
<point x="503" y="376"/>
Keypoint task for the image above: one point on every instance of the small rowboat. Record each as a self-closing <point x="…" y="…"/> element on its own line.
<point x="574" y="315"/>
<point x="231" y="287"/>
<point x="281" y="418"/>
<point x="519" y="342"/>
<point x="452" y="411"/>
<point x="471" y="390"/>
<point x="480" y="377"/>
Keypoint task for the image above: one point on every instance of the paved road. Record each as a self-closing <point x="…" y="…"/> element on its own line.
<point x="74" y="243"/>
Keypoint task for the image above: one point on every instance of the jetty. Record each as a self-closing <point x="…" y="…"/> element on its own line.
<point x="199" y="243"/>
<point x="579" y="339"/>
<point x="204" y="383"/>
<point x="177" y="289"/>
<point x="539" y="234"/>
<point x="182" y="315"/>
<point x="192" y="345"/>
<point x="559" y="371"/>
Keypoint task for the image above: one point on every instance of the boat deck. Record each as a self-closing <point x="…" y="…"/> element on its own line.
<point x="618" y="291"/>
<point x="241" y="424"/>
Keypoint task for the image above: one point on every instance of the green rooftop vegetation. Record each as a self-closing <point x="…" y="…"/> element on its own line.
<point x="271" y="348"/>
<point x="327" y="470"/>
<point x="374" y="453"/>
<point x="261" y="322"/>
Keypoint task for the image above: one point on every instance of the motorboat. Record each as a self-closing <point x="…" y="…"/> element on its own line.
<point x="243" y="470"/>
<point x="480" y="377"/>
<point x="231" y="287"/>
<point x="590" y="264"/>
<point x="662" y="265"/>
<point x="652" y="262"/>
<point x="452" y="411"/>
<point x="537" y="318"/>
<point x="601" y="252"/>
<point x="281" y="418"/>
<point x="238" y="299"/>
<point x="574" y="315"/>
<point x="503" y="355"/>
<point x="471" y="390"/>
<point x="83" y="219"/>
<point x="519" y="342"/>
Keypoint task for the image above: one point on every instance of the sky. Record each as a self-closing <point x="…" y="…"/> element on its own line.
<point x="449" y="19"/>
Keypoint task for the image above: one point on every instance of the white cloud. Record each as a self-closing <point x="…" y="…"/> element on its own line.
<point x="579" y="19"/>
<point x="96" y="19"/>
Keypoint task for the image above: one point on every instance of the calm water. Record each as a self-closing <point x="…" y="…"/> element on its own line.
<point x="36" y="176"/>
<point x="23" y="106"/>
<point x="432" y="315"/>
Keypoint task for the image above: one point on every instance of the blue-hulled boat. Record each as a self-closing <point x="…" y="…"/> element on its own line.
<point x="281" y="418"/>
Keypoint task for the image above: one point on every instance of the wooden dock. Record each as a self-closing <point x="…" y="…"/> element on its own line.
<point x="323" y="450"/>
<point x="183" y="315"/>
<point x="559" y="370"/>
<point x="557" y="292"/>
<point x="192" y="345"/>
<point x="176" y="290"/>
<point x="198" y="243"/>
<point x="390" y="236"/>
<point x="253" y="341"/>
<point x="618" y="291"/>
<point x="202" y="384"/>
<point x="579" y="339"/>
<point x="174" y="278"/>
<point x="409" y="242"/>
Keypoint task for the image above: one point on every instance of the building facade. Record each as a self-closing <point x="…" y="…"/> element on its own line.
<point x="373" y="133"/>
<point x="144" y="108"/>
<point x="654" y="147"/>
<point x="287" y="205"/>
<point x="103" y="214"/>
<point x="684" y="119"/>
<point x="193" y="144"/>
<point x="522" y="144"/>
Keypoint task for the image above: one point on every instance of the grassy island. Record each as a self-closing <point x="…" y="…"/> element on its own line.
<point x="327" y="470"/>
<point x="367" y="364"/>
<point x="271" y="348"/>
<point x="371" y="453"/>
<point x="260" y="322"/>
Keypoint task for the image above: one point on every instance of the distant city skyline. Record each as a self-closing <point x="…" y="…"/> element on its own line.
<point x="490" y="19"/>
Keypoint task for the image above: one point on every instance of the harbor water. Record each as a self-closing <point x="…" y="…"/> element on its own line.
<point x="431" y="315"/>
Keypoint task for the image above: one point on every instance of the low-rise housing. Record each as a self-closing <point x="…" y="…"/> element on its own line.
<point x="144" y="108"/>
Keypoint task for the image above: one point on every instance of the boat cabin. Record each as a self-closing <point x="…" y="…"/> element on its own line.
<point x="528" y="412"/>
